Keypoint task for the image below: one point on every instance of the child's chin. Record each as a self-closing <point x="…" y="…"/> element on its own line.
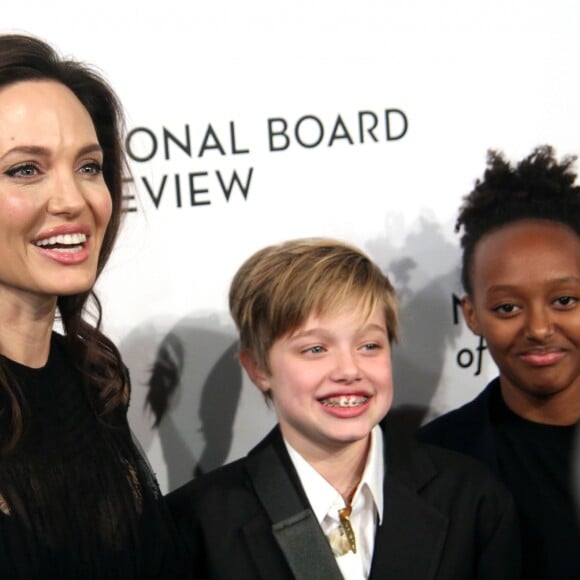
<point x="354" y="436"/>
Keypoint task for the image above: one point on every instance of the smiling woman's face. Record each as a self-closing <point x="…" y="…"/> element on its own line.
<point x="525" y="302"/>
<point x="54" y="203"/>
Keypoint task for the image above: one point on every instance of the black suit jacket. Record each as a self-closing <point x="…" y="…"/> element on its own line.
<point x="468" y="429"/>
<point x="445" y="517"/>
<point x="550" y="546"/>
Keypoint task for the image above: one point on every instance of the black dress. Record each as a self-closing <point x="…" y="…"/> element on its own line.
<point x="77" y="499"/>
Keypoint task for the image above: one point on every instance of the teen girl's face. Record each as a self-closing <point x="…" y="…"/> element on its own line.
<point x="526" y="304"/>
<point x="331" y="380"/>
<point x="54" y="203"/>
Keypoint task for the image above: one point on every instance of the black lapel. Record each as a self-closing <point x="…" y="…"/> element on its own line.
<point x="410" y="540"/>
<point x="482" y="442"/>
<point x="469" y="429"/>
<point x="294" y="525"/>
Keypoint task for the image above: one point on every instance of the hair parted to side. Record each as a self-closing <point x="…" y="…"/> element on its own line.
<point x="26" y="58"/>
<point x="280" y="286"/>
<point x="537" y="187"/>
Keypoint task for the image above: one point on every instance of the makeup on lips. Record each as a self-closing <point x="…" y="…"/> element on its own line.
<point x="66" y="245"/>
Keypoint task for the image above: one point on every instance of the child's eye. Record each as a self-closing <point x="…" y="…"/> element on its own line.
<point x="23" y="170"/>
<point x="92" y="168"/>
<point x="506" y="308"/>
<point x="371" y="346"/>
<point x="565" y="301"/>
<point x="314" y="349"/>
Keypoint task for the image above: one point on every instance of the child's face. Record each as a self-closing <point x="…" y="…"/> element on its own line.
<point x="525" y="303"/>
<point x="331" y="380"/>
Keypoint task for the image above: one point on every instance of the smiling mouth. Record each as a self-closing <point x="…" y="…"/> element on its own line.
<point x="541" y="358"/>
<point x="66" y="243"/>
<point x="344" y="401"/>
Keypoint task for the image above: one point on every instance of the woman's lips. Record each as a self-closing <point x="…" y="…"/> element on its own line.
<point x="543" y="358"/>
<point x="65" y="245"/>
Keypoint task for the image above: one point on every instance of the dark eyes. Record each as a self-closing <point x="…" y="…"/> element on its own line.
<point x="562" y="302"/>
<point x="506" y="308"/>
<point x="565" y="301"/>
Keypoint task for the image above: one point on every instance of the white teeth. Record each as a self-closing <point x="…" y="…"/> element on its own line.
<point x="344" y="401"/>
<point x="63" y="239"/>
<point x="71" y="250"/>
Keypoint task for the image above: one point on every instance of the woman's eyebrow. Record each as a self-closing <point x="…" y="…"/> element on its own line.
<point x="45" y="151"/>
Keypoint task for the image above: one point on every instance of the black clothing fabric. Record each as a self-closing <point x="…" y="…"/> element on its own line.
<point x="535" y="460"/>
<point x="445" y="518"/>
<point x="77" y="499"/>
<point x="535" y="463"/>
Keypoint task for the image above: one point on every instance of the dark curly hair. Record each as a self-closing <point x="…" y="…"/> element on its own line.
<point x="537" y="187"/>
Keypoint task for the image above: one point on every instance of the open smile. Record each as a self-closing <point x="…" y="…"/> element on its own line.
<point x="344" y="401"/>
<point x="68" y="248"/>
<point x="67" y="243"/>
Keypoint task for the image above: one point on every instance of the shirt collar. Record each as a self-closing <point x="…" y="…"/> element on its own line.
<point x="374" y="473"/>
<point x="322" y="496"/>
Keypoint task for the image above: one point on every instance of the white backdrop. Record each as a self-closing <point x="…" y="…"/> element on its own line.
<point x="209" y="86"/>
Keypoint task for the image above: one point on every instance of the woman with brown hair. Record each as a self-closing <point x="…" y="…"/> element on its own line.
<point x="77" y="499"/>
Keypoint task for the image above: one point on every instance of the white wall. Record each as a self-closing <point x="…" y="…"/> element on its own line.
<point x="465" y="76"/>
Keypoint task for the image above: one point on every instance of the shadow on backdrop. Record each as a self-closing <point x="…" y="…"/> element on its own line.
<point x="425" y="272"/>
<point x="192" y="388"/>
<point x="187" y="377"/>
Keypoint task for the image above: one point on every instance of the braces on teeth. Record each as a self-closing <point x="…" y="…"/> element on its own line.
<point x="345" y="402"/>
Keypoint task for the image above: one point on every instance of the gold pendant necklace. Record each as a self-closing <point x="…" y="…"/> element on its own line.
<point x="342" y="539"/>
<point x="344" y="516"/>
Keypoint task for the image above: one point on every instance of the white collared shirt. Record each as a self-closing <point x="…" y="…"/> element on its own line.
<point x="367" y="505"/>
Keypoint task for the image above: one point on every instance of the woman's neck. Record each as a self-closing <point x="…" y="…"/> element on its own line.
<point x="25" y="328"/>
<point x="562" y="408"/>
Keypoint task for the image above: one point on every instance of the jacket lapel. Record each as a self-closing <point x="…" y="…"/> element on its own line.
<point x="410" y="541"/>
<point x="479" y="428"/>
<point x="294" y="525"/>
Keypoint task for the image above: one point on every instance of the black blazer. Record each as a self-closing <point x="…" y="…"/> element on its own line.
<point x="468" y="429"/>
<point x="550" y="546"/>
<point x="445" y="517"/>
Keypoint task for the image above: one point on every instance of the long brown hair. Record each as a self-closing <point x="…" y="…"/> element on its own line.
<point x="25" y="58"/>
